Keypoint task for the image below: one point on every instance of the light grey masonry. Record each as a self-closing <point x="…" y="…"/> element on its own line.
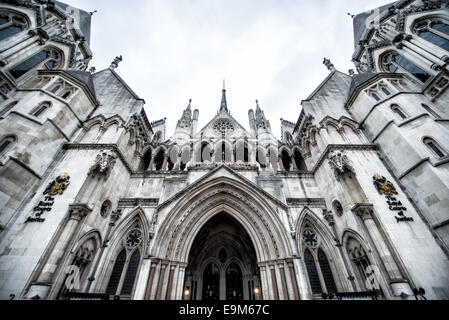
<point x="222" y="212"/>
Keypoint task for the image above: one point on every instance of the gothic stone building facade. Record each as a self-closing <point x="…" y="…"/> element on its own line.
<point x="94" y="198"/>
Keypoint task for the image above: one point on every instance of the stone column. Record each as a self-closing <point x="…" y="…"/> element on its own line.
<point x="170" y="282"/>
<point x="284" y="295"/>
<point x="396" y="280"/>
<point x="329" y="217"/>
<point x="274" y="281"/>
<point x="151" y="165"/>
<point x="151" y="278"/>
<point x="165" y="163"/>
<point x="264" y="290"/>
<point x="179" y="290"/>
<point x="293" y="279"/>
<point x="160" y="281"/>
<point x="57" y="254"/>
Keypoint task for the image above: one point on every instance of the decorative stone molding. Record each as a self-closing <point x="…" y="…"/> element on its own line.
<point x="364" y="210"/>
<point x="104" y="163"/>
<point x="339" y="163"/>
<point x="79" y="211"/>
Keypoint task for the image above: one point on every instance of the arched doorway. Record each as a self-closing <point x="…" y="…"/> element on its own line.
<point x="222" y="262"/>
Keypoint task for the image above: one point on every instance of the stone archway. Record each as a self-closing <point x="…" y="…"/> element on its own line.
<point x="222" y="263"/>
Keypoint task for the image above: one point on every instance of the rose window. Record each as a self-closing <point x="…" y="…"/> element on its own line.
<point x="223" y="128"/>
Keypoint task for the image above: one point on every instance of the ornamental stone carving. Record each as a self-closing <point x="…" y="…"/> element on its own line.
<point x="104" y="163"/>
<point x="339" y="163"/>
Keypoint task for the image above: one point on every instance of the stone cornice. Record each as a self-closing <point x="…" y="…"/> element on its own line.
<point x="134" y="202"/>
<point x="309" y="202"/>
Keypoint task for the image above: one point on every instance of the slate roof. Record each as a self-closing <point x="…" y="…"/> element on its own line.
<point x="358" y="80"/>
<point x="84" y="77"/>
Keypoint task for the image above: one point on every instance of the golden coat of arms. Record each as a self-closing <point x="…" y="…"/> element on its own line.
<point x="58" y="185"/>
<point x="384" y="186"/>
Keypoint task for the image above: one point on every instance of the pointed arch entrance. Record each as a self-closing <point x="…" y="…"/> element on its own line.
<point x="222" y="262"/>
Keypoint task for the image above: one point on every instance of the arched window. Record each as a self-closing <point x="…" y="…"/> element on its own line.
<point x="430" y="110"/>
<point x="123" y="276"/>
<point x="82" y="261"/>
<point x="375" y="96"/>
<point x="55" y="89"/>
<point x="159" y="160"/>
<point x="286" y="160"/>
<point x="434" y="31"/>
<point x="41" y="109"/>
<point x="318" y="268"/>
<point x="8" y="108"/>
<point x="386" y="91"/>
<point x="326" y="271"/>
<point x="394" y="61"/>
<point x="261" y="158"/>
<point x="6" y="144"/>
<point x="241" y="152"/>
<point x="360" y="261"/>
<point x="398" y="111"/>
<point x="435" y="147"/>
<point x="146" y="160"/>
<point x="300" y="163"/>
<point x="11" y="24"/>
<point x="185" y="159"/>
<point x="206" y="151"/>
<point x="312" y="272"/>
<point x="66" y="95"/>
<point x="48" y="58"/>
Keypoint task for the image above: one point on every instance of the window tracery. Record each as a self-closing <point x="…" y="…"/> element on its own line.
<point x="11" y="24"/>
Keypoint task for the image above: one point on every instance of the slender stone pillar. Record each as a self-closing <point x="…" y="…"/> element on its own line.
<point x="179" y="290"/>
<point x="161" y="281"/>
<point x="165" y="163"/>
<point x="293" y="279"/>
<point x="329" y="217"/>
<point x="154" y="263"/>
<point x="274" y="281"/>
<point x="264" y="290"/>
<point x="396" y="279"/>
<point x="170" y="282"/>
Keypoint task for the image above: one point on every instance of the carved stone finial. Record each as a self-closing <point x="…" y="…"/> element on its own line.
<point x="339" y="163"/>
<point x="351" y="72"/>
<point x="116" y="62"/>
<point x="92" y="70"/>
<point x="329" y="65"/>
<point x="104" y="163"/>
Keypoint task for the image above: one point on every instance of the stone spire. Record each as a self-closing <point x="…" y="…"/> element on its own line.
<point x="115" y="63"/>
<point x="329" y="65"/>
<point x="224" y="103"/>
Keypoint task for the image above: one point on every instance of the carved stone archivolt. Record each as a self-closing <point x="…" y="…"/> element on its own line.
<point x="229" y="197"/>
<point x="339" y="163"/>
<point x="104" y="163"/>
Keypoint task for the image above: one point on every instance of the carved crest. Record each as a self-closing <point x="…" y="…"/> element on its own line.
<point x="58" y="185"/>
<point x="339" y="162"/>
<point x="384" y="186"/>
<point x="104" y="163"/>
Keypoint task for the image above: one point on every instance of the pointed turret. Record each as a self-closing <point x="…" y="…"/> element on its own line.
<point x="224" y="103"/>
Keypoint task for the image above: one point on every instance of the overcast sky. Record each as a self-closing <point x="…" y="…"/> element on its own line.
<point x="270" y="50"/>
